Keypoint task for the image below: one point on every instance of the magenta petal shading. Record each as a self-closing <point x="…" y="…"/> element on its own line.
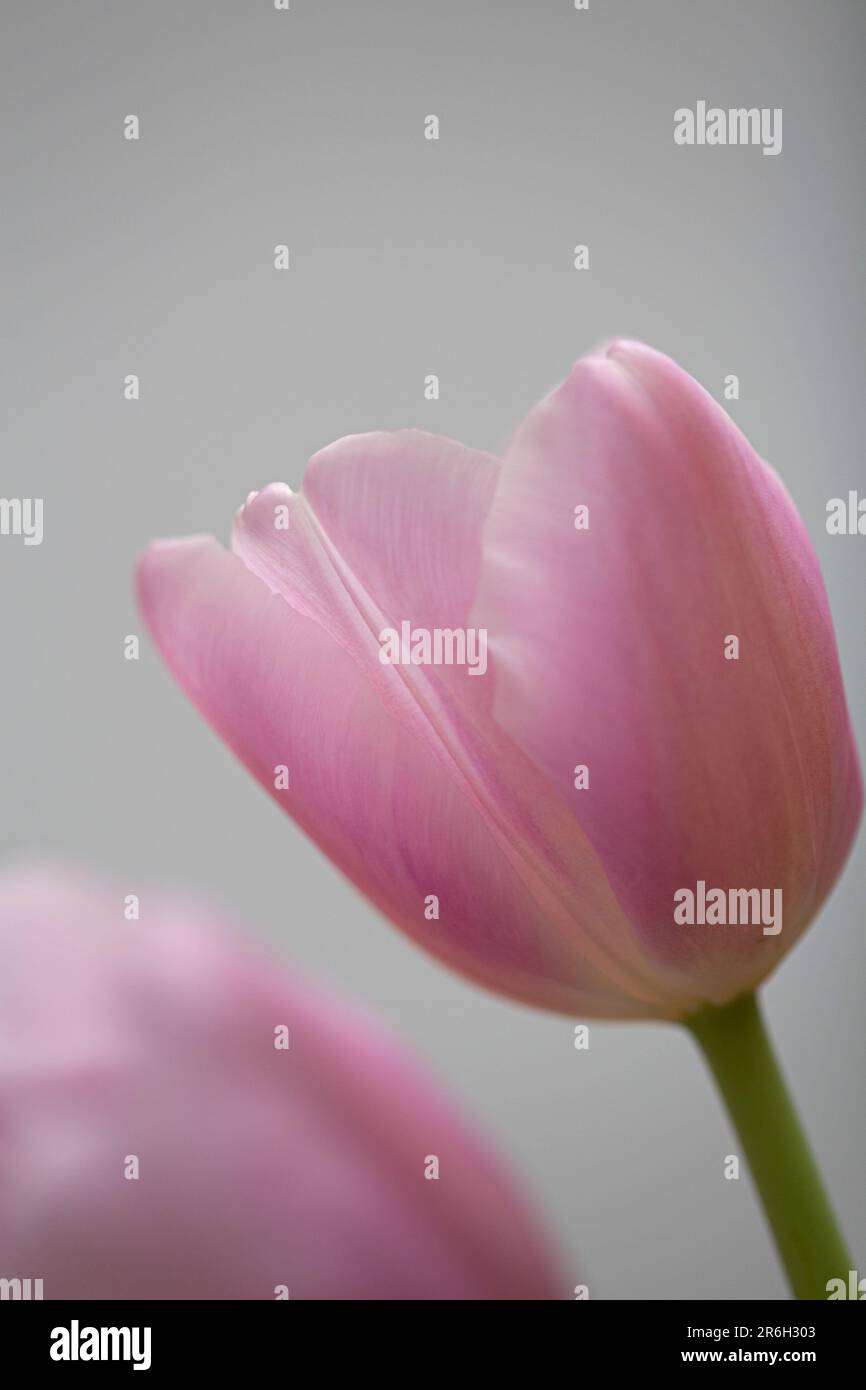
<point x="259" y="1168"/>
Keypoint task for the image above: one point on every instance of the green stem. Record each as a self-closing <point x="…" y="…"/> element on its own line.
<point x="740" y="1056"/>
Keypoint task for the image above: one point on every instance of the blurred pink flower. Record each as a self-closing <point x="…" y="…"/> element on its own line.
<point x="258" y="1167"/>
<point x="606" y="650"/>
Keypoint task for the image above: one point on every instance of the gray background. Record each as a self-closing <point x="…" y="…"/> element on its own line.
<point x="412" y="257"/>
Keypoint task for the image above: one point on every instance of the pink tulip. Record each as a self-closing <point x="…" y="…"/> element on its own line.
<point x="609" y="649"/>
<point x="260" y="1169"/>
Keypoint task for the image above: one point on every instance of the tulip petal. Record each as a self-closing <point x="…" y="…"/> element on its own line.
<point x="403" y="510"/>
<point x="609" y="642"/>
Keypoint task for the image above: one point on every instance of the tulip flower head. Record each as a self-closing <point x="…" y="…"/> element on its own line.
<point x="181" y="1119"/>
<point x="574" y="720"/>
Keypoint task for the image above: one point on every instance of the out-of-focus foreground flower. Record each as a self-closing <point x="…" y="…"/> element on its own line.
<point x="158" y="1140"/>
<point x="531" y="813"/>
